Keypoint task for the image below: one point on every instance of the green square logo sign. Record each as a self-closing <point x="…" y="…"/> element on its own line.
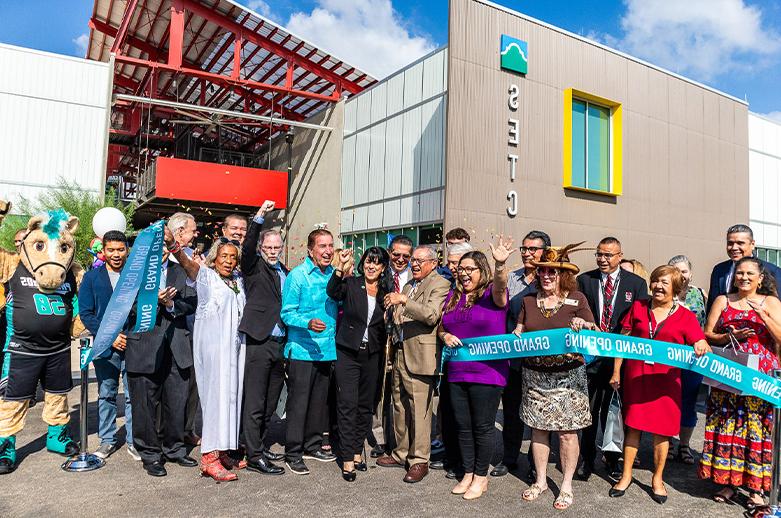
<point x="514" y="54"/>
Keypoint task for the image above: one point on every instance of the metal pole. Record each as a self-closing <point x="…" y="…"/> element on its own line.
<point x="289" y="142"/>
<point x="83" y="461"/>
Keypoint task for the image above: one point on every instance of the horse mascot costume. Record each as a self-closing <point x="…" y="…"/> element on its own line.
<point x="40" y="283"/>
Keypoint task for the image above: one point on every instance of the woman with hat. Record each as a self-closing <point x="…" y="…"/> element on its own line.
<point x="555" y="393"/>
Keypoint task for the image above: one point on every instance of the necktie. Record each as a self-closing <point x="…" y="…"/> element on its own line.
<point x="396" y="286"/>
<point x="607" y="305"/>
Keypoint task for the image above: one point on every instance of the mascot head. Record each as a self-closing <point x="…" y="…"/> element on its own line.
<point x="48" y="248"/>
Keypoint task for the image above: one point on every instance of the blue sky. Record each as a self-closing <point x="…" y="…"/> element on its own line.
<point x="732" y="45"/>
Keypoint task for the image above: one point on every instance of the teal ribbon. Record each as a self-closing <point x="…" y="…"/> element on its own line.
<point x="134" y="274"/>
<point x="146" y="306"/>
<point x="591" y="343"/>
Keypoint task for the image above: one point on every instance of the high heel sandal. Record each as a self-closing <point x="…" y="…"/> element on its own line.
<point x="349" y="476"/>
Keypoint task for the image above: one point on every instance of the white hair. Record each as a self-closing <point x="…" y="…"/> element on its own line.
<point x="432" y="252"/>
<point x="179" y="220"/>
<point x="459" y="249"/>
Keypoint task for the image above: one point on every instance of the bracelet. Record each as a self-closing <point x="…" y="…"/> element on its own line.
<point x="176" y="248"/>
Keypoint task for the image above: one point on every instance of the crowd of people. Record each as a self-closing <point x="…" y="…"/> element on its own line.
<point x="358" y="345"/>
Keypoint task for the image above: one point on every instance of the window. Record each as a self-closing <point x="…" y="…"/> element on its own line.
<point x="770" y="255"/>
<point x="426" y="234"/>
<point x="592" y="143"/>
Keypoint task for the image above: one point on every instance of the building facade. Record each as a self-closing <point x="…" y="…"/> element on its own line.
<point x="764" y="155"/>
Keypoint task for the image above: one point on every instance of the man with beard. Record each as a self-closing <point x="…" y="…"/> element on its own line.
<point x="264" y="369"/>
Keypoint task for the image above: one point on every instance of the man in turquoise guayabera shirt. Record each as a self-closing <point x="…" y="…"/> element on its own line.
<point x="310" y="317"/>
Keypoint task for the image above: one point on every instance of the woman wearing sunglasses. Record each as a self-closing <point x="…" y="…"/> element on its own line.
<point x="477" y="306"/>
<point x="218" y="351"/>
<point x="360" y="341"/>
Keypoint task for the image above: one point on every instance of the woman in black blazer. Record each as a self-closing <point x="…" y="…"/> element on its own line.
<point x="360" y="340"/>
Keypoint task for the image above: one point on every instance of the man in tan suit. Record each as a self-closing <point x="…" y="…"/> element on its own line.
<point x="417" y="312"/>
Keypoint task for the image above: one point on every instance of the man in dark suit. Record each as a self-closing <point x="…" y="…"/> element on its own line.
<point x="740" y="244"/>
<point x="158" y="365"/>
<point x="264" y="370"/>
<point x="610" y="292"/>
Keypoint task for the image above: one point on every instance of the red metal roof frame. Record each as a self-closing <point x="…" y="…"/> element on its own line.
<point x="216" y="53"/>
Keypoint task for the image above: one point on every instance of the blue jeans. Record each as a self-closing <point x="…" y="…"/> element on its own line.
<point x="107" y="371"/>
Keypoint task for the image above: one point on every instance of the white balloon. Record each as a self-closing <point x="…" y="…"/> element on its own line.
<point x="106" y="219"/>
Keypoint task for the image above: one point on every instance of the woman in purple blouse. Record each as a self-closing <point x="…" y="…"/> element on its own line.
<point x="477" y="306"/>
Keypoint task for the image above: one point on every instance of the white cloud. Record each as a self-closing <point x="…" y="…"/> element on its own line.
<point x="699" y="38"/>
<point x="368" y="34"/>
<point x="81" y="43"/>
<point x="774" y="116"/>
<point x="260" y="7"/>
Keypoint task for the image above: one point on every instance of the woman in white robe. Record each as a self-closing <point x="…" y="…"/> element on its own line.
<point x="218" y="352"/>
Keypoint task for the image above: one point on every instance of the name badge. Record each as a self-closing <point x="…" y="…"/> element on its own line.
<point x="570" y="302"/>
<point x="628" y="296"/>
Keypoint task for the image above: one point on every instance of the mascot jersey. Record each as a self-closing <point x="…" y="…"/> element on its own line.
<point x="38" y="323"/>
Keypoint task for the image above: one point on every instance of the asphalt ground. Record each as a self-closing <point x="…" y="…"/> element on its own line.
<point x="121" y="488"/>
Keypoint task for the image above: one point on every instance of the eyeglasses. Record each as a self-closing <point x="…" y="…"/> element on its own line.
<point x="602" y="255"/>
<point x="469" y="270"/>
<point x="224" y="240"/>
<point x="415" y="260"/>
<point x="531" y="249"/>
<point x="272" y="248"/>
<point x="399" y="255"/>
<point x="548" y="273"/>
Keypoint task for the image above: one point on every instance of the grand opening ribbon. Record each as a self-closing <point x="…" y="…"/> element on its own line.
<point x="590" y="343"/>
<point x="140" y="277"/>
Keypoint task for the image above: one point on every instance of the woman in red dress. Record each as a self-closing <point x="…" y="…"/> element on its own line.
<point x="738" y="429"/>
<point x="652" y="391"/>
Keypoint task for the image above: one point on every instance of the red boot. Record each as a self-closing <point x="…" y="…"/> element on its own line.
<point x="212" y="467"/>
<point x="231" y="463"/>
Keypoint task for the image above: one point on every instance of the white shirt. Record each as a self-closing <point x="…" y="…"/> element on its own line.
<point x="404" y="277"/>
<point x="372" y="304"/>
<point x="603" y="277"/>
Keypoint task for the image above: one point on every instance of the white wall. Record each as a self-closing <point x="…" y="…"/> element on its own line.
<point x="53" y="122"/>
<point x="764" y="142"/>
<point x="393" y="158"/>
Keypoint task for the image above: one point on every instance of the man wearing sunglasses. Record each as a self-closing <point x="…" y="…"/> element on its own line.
<point x="520" y="283"/>
<point x="610" y="292"/>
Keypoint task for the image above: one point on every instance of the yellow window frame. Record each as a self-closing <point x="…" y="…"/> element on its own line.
<point x="616" y="141"/>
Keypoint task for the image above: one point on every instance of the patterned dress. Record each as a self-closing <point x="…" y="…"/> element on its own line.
<point x="738" y="429"/>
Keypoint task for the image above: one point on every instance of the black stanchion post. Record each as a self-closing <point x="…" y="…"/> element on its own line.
<point x="84" y="461"/>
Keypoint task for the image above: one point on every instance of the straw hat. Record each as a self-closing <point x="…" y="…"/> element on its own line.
<point x="558" y="257"/>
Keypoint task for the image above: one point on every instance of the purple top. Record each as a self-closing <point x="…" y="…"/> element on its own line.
<point x="484" y="318"/>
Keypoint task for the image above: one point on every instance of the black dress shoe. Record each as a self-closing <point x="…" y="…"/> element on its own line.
<point x="502" y="469"/>
<point x="454" y="474"/>
<point x="584" y="472"/>
<point x="264" y="466"/>
<point x="185" y="462"/>
<point x="377" y="451"/>
<point x="155" y="469"/>
<point x="659" y="499"/>
<point x="273" y="457"/>
<point x="297" y="467"/>
<point x="349" y="476"/>
<point x="616" y="493"/>
<point x="361" y="466"/>
<point x="321" y="456"/>
<point x="437" y="464"/>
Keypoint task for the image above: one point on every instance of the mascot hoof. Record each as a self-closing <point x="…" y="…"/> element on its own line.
<point x="7" y="455"/>
<point x="59" y="441"/>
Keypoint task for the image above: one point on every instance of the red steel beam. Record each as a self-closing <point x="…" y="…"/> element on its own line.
<point x="269" y="44"/>
<point x="223" y="80"/>
<point x="119" y="39"/>
<point x="176" y="34"/>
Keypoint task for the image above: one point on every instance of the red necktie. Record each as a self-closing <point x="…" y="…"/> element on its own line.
<point x="396" y="286"/>
<point x="607" y="305"/>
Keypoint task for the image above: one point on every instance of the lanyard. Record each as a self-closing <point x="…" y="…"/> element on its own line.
<point x="651" y="332"/>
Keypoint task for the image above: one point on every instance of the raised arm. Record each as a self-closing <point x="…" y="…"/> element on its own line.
<point x="501" y="252"/>
<point x="337" y="284"/>
<point x="190" y="266"/>
<point x="249" y="249"/>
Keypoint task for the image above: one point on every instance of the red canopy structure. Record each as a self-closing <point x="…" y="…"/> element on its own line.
<point x="250" y="79"/>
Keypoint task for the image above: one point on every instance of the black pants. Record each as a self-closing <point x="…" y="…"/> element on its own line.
<point x="512" y="427"/>
<point x="193" y="405"/>
<point x="449" y="430"/>
<point x="599" y="392"/>
<point x="264" y="375"/>
<point x="356" y="375"/>
<point x="306" y="409"/>
<point x="164" y="391"/>
<point x="474" y="410"/>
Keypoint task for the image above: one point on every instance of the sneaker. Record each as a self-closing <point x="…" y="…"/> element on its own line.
<point x="105" y="450"/>
<point x="297" y="467"/>
<point x="320" y="455"/>
<point x="131" y="450"/>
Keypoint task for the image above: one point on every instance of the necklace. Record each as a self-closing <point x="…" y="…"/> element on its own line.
<point x="232" y="284"/>
<point x="549" y="312"/>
